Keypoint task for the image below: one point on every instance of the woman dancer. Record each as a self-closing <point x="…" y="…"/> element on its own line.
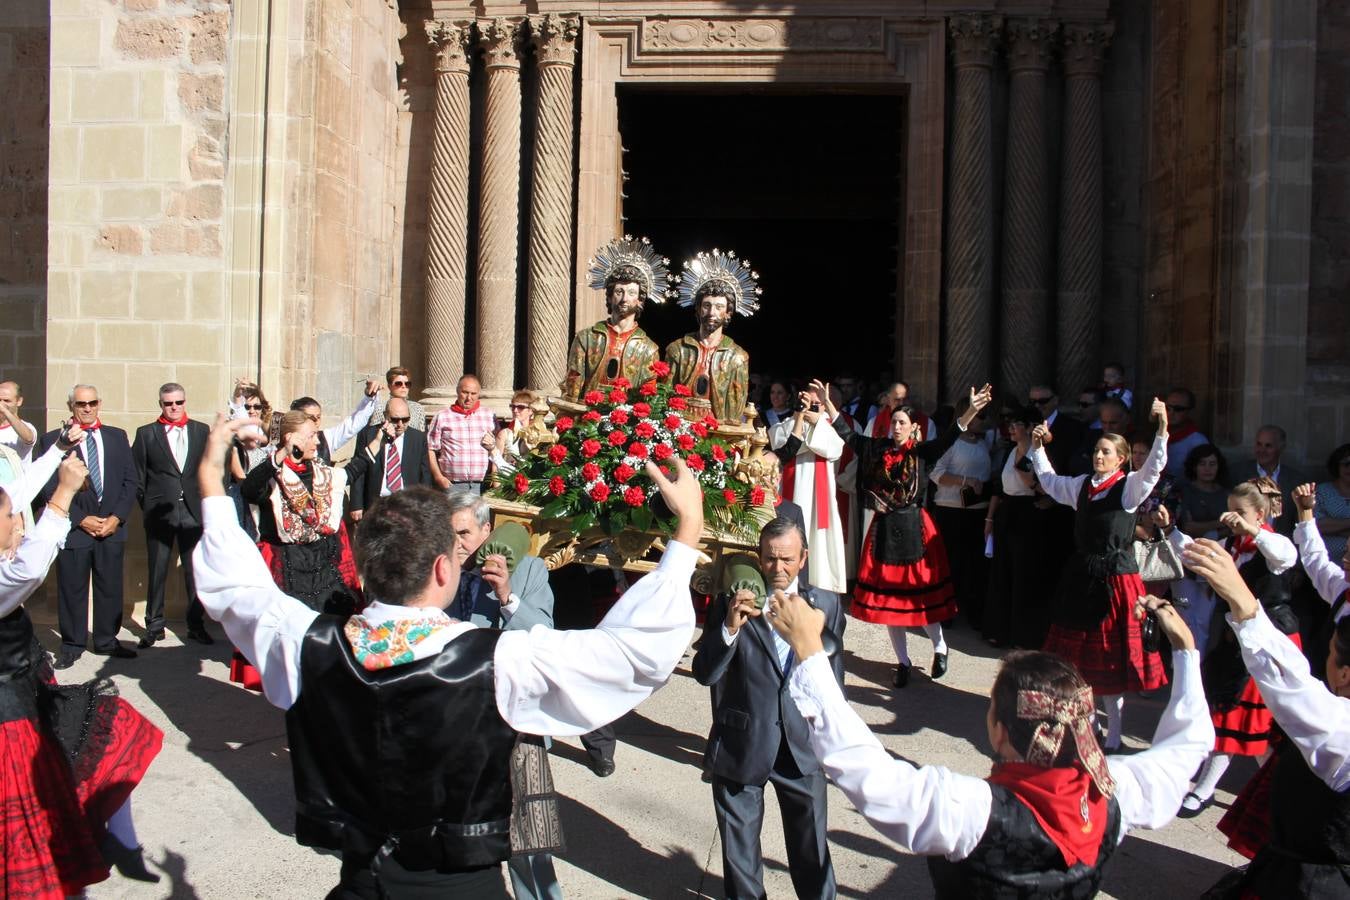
<point x="903" y="575"/>
<point x="1266" y="560"/>
<point x="70" y="756"/>
<point x="1093" y="626"/>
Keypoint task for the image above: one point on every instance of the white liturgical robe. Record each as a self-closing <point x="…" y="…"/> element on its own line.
<point x="813" y="489"/>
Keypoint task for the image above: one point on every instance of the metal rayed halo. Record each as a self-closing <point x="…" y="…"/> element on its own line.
<point x="638" y="253"/>
<point x="715" y="265"/>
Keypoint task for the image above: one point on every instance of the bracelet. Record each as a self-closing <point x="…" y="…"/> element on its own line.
<point x="60" y="511"/>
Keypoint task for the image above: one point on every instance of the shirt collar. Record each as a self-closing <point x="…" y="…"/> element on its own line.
<point x="385" y="612"/>
<point x="1050" y="419"/>
<point x="1273" y="475"/>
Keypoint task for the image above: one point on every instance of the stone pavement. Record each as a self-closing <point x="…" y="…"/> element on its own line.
<point x="215" y="811"/>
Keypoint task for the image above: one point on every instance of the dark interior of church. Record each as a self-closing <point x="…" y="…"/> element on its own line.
<point x="806" y="186"/>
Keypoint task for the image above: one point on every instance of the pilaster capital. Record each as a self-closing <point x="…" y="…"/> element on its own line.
<point x="974" y="38"/>
<point x="450" y="38"/>
<point x="501" y="41"/>
<point x="554" y="37"/>
<point x="1031" y="43"/>
<point x="1085" y="46"/>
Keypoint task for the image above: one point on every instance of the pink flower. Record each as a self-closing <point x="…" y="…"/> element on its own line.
<point x="556" y="486"/>
<point x="729" y="496"/>
<point x="642" y="409"/>
<point x="617" y="396"/>
<point x="678" y="403"/>
<point x="685" y="441"/>
<point x="699" y="429"/>
<point x="709" y="421"/>
<point x="663" y="452"/>
<point x="617" y="438"/>
<point x="600" y="493"/>
<point x="623" y="473"/>
<point x="591" y="416"/>
<point x="683" y="390"/>
<point x="557" y="453"/>
<point x="660" y="369"/>
<point x="648" y="389"/>
<point x="695" y="462"/>
<point x="718" y="453"/>
<point x="757" y="496"/>
<point x="622" y="383"/>
<point x="634" y="496"/>
<point x="590" y="447"/>
<point x="673" y="421"/>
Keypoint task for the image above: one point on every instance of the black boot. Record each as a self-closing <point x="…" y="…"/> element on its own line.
<point x="129" y="861"/>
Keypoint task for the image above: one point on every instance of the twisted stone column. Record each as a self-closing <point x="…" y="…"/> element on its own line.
<point x="1080" y="207"/>
<point x="550" y="266"/>
<point x="968" y="346"/>
<point x="1025" y="312"/>
<point x="498" y="219"/>
<point x="448" y="208"/>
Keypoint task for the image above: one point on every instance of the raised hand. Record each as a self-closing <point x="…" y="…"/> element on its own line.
<point x="1238" y="525"/>
<point x="373" y="387"/>
<point x="1040" y="435"/>
<point x="211" y="469"/>
<point x="1161" y="517"/>
<point x="822" y="389"/>
<point x="72" y="473"/>
<point x="684" y="495"/>
<point x="498" y="577"/>
<point x="1158" y="412"/>
<point x="981" y="398"/>
<point x="1169" y="620"/>
<point x="1305" y="498"/>
<point x="742" y="608"/>
<point x="798" y="623"/>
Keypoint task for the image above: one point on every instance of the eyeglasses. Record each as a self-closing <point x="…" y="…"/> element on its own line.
<point x="1041" y="401"/>
<point x="257" y="406"/>
<point x="403" y="383"/>
<point x="86" y="404"/>
<point x="519" y="406"/>
<point x="314" y="419"/>
<point x="172" y="402"/>
<point x="1176" y="408"/>
<point x="403" y="421"/>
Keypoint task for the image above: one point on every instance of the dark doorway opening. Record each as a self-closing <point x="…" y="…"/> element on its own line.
<point x="806" y="186"/>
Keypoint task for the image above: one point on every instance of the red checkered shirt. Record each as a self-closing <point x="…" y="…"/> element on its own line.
<point x="456" y="439"/>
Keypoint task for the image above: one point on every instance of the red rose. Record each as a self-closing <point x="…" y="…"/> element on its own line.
<point x="645" y="430"/>
<point x="685" y="441"/>
<point x="619" y="417"/>
<point x="638" y="450"/>
<point x="729" y="495"/>
<point x="617" y="396"/>
<point x="590" y="447"/>
<point x="564" y="423"/>
<point x="634" y="496"/>
<point x="694" y="461"/>
<point x="617" y="438"/>
<point x="522" y="484"/>
<point x="699" y="429"/>
<point x="683" y="390"/>
<point x="673" y="421"/>
<point x="718" y="453"/>
<point x="663" y="451"/>
<point x="556" y="486"/>
<point x="648" y="389"/>
<point x="557" y="453"/>
<point x="592" y="398"/>
<point x="642" y="409"/>
<point x="757" y="496"/>
<point x="678" y="403"/>
<point x="623" y="473"/>
<point x="590" y="471"/>
<point x="600" y="493"/>
<point x="660" y="369"/>
<point x="710" y="421"/>
<point x="591" y="416"/>
<point x="622" y="383"/>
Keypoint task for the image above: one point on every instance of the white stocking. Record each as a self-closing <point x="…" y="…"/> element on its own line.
<point x="1115" y="708"/>
<point x="122" y="828"/>
<point x="1210" y="773"/>
<point x="899" y="642"/>
<point x="934" y="632"/>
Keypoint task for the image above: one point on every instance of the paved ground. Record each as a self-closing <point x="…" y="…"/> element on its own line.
<point x="215" y="810"/>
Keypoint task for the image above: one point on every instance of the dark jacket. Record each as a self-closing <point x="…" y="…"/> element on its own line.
<point x="119" y="487"/>
<point x="415" y="462"/>
<point x="753" y="711"/>
<point x="1066" y="449"/>
<point x="160" y="482"/>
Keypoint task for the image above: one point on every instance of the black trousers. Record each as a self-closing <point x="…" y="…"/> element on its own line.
<point x="161" y="532"/>
<point x="600" y="743"/>
<point x="398" y="883"/>
<point x="962" y="533"/>
<point x="73" y="568"/>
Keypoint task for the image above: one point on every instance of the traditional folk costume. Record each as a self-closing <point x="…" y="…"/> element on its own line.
<point x="70" y="755"/>
<point x="1094" y="625"/>
<point x="1030" y="830"/>
<point x="879" y="427"/>
<point x="375" y="717"/>
<point x="808" y="481"/>
<point x="720" y="373"/>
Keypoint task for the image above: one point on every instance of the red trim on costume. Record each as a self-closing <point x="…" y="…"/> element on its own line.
<point x="1247" y="543"/>
<point x="298" y="468"/>
<point x="1064" y="801"/>
<point x="1099" y="489"/>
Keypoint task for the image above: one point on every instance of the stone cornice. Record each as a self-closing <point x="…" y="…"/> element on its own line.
<point x="1030" y="43"/>
<point x="1085" y="47"/>
<point x="501" y="40"/>
<point x="555" y="38"/>
<point x="974" y="38"/>
<point x="450" y="39"/>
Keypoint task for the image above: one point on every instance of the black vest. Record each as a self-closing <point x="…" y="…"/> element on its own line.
<point x="1016" y="859"/>
<point x="1223" y="672"/>
<point x="412" y="760"/>
<point x="1103" y="535"/>
<point x="19" y="684"/>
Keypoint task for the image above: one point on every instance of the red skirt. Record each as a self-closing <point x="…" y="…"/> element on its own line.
<point x="1111" y="656"/>
<point x="916" y="593"/>
<point x="1245" y="728"/>
<point x="53" y="814"/>
<point x="1247" y="822"/>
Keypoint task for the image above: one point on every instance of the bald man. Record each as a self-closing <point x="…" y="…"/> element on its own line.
<point x="15" y="433"/>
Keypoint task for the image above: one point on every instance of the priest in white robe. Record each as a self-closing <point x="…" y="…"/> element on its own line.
<point x="809" y="449"/>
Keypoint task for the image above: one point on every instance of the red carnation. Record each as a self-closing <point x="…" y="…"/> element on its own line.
<point x="522" y="484"/>
<point x="600" y="493"/>
<point x="556" y="486"/>
<point x="673" y="421"/>
<point x="617" y="396"/>
<point x="686" y="441"/>
<point x="590" y="471"/>
<point x="619" y="417"/>
<point x="634" y="496"/>
<point x="638" y="450"/>
<point x="683" y="390"/>
<point x="591" y="416"/>
<point x="660" y="369"/>
<point x="623" y="473"/>
<point x="564" y="423"/>
<point x="710" y="421"/>
<point x="645" y="430"/>
<point x="648" y="389"/>
<point x="590" y="447"/>
<point x="663" y="451"/>
<point x="557" y="453"/>
<point x="729" y="495"/>
<point x="757" y="496"/>
<point x="694" y="461"/>
<point x="678" y="403"/>
<point x="718" y="453"/>
<point x="592" y="398"/>
<point x="642" y="409"/>
<point x="622" y="383"/>
<point x="617" y="438"/>
<point x="699" y="429"/>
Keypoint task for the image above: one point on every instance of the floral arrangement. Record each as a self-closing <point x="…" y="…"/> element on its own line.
<point x="594" y="474"/>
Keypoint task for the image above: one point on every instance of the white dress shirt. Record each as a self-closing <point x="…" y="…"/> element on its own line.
<point x="177" y="436"/>
<point x="22" y="575"/>
<point x="1138" y="485"/>
<point x="932" y="810"/>
<point x="344" y="431"/>
<point x="967" y="459"/>
<point x="1013" y="485"/>
<point x="547" y="682"/>
<point x="1327" y="576"/>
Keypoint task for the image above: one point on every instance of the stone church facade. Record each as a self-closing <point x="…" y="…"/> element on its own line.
<point x="306" y="191"/>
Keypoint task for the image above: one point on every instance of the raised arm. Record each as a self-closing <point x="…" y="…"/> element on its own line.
<point x="23" y="489"/>
<point x="1138" y="485"/>
<point x="1327" y="577"/>
<point x="344" y="431"/>
<point x="1060" y="488"/>
<point x="22" y="575"/>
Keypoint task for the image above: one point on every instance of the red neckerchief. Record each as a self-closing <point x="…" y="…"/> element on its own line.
<point x="894" y="454"/>
<point x="298" y="468"/>
<point x="820" y="487"/>
<point x="1065" y="802"/>
<point x="465" y="412"/>
<point x="98" y="423"/>
<point x="181" y="423"/>
<point x="1181" y="433"/>
<point x="1110" y="482"/>
<point x="1246" y="543"/>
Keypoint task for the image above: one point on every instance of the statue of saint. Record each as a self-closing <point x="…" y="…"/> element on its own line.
<point x="630" y="273"/>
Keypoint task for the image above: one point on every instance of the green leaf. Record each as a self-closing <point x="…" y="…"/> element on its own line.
<point x="583" y="521"/>
<point x="555" y="510"/>
<point x="642" y="518"/>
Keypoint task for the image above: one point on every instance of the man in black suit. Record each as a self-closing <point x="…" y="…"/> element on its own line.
<point x="1268" y="462"/>
<point x="167" y="452"/>
<point x="402" y="460"/>
<point x="758" y="736"/>
<point x="1066" y="432"/>
<point x="97" y="542"/>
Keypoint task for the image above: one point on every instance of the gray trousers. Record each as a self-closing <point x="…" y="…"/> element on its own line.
<point x="533" y="877"/>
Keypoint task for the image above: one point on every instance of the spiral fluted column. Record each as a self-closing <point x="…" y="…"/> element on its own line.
<point x="1024" y="332"/>
<point x="550" y="267"/>
<point x="498" y="218"/>
<point x="448" y="208"/>
<point x="1080" y="207"/>
<point x="968" y="344"/>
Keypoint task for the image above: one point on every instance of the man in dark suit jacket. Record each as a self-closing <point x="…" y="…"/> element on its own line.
<point x="97" y="542"/>
<point x="167" y="452"/>
<point x="758" y="736"/>
<point x="1268" y="461"/>
<point x="402" y="460"/>
<point x="1066" y="432"/>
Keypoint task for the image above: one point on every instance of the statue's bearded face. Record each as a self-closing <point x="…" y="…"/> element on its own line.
<point x="713" y="312"/>
<point x="625" y="299"/>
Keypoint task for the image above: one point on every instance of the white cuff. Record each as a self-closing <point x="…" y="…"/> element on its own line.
<point x="678" y="559"/>
<point x="804" y="683"/>
<point x="218" y="512"/>
<point x="512" y="604"/>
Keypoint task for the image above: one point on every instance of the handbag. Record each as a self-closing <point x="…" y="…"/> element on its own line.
<point x="1158" y="561"/>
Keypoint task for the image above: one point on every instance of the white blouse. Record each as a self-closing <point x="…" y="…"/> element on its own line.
<point x="1327" y="576"/>
<point x="1138" y="485"/>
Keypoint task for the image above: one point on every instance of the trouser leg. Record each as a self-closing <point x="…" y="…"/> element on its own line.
<point x="158" y="552"/>
<point x="187" y="542"/>
<point x="740" y="816"/>
<point x="801" y="798"/>
<point x="107" y="592"/>
<point x="72" y="586"/>
<point x="600" y="743"/>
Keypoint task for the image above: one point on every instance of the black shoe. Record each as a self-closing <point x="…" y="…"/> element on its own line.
<point x="64" y="659"/>
<point x="603" y="768"/>
<point x="939" y="666"/>
<point x="150" y="638"/>
<point x="901" y="676"/>
<point x="116" y="651"/>
<point x="129" y="861"/>
<point x="1187" y="813"/>
<point x="200" y="636"/>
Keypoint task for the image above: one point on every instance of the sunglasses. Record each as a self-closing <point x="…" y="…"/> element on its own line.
<point x="257" y="406"/>
<point x="314" y="419"/>
<point x="403" y="421"/>
<point x="400" y="383"/>
<point x="86" y="404"/>
<point x="1175" y="408"/>
<point x="172" y="402"/>
<point x="520" y="406"/>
